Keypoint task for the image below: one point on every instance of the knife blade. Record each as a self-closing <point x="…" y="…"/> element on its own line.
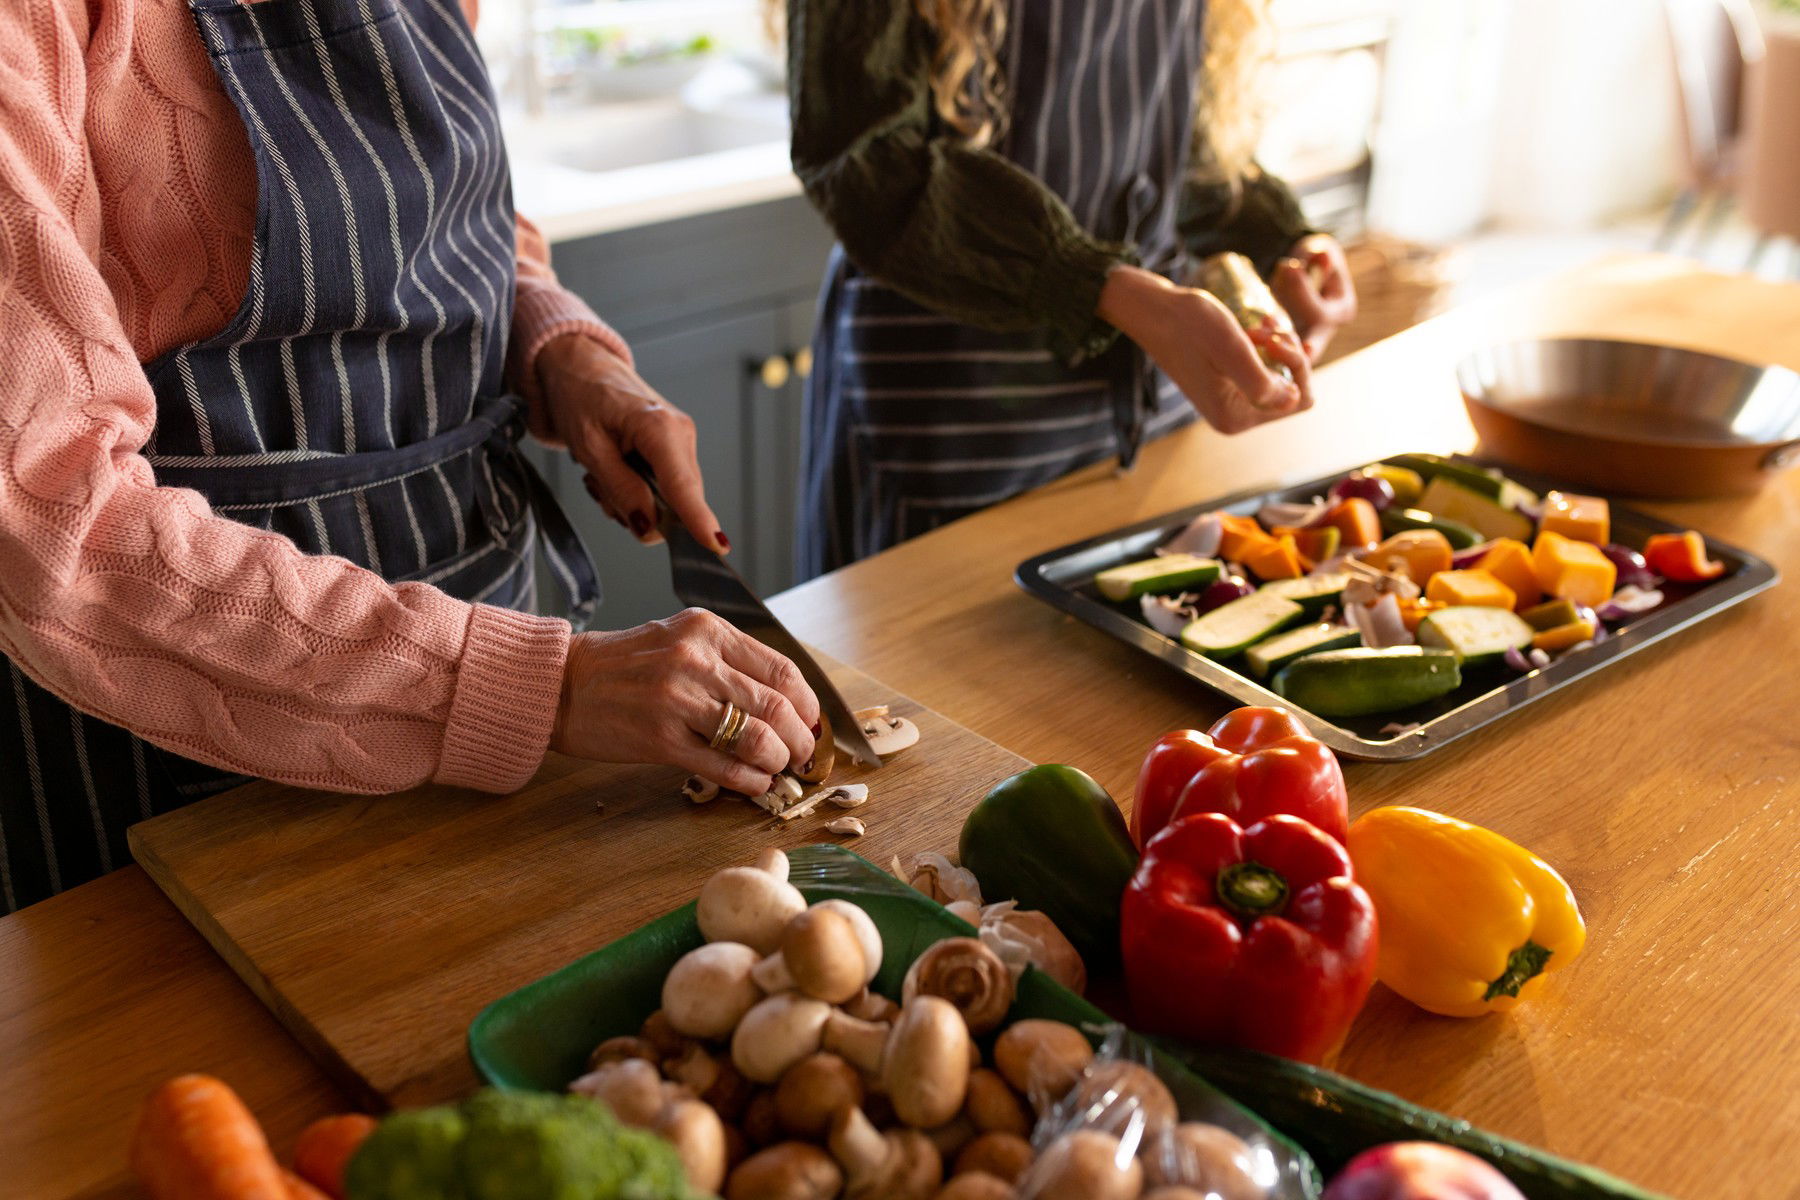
<point x="703" y="579"/>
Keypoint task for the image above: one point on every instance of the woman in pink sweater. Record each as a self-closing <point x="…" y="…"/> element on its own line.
<point x="271" y="330"/>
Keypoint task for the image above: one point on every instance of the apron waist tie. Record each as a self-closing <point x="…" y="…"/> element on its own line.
<point x="281" y="478"/>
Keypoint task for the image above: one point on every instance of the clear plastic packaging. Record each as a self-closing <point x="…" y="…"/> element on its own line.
<point x="1121" y="1130"/>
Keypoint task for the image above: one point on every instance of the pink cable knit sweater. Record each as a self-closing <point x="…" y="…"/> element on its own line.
<point x="127" y="204"/>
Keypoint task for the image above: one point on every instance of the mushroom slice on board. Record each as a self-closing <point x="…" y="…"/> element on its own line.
<point x="817" y="769"/>
<point x="784" y="792"/>
<point x="699" y="790"/>
<point x="846" y="795"/>
<point x="847" y="826"/>
<point x="887" y="734"/>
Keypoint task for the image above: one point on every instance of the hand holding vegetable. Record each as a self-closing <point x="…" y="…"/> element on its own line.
<point x="1253" y="763"/>
<point x="1251" y="937"/>
<point x="1470" y="922"/>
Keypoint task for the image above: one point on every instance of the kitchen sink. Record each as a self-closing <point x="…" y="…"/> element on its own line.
<point x="612" y="137"/>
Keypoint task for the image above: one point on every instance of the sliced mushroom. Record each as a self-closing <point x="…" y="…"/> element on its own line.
<point x="887" y="734"/>
<point x="994" y="1107"/>
<point x="1203" y="1157"/>
<point x="708" y="991"/>
<point x="1120" y="1095"/>
<point x="776" y="1034"/>
<point x="1003" y="1155"/>
<point x="630" y="1087"/>
<point x="821" y="954"/>
<point x="925" y="1070"/>
<point x="699" y="1140"/>
<point x="977" y="1185"/>
<point x="784" y="792"/>
<point x="1042" y="1059"/>
<point x="789" y="1171"/>
<point x="968" y="975"/>
<point x="862" y="1043"/>
<point x="901" y="1165"/>
<point x="848" y="795"/>
<point x="813" y="1091"/>
<point x="1086" y="1165"/>
<point x="699" y="790"/>
<point x="847" y="827"/>
<point x="817" y="769"/>
<point x="748" y="905"/>
<point x="617" y="1049"/>
<point x="865" y="932"/>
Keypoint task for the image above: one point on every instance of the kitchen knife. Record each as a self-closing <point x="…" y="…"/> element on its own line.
<point x="703" y="579"/>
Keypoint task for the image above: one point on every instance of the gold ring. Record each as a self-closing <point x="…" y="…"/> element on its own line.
<point x="730" y="732"/>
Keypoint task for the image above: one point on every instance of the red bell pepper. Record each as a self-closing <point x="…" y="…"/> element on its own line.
<point x="1251" y="937"/>
<point x="1253" y="763"/>
<point x="1681" y="557"/>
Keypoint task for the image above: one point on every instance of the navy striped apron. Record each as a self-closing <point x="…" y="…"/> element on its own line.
<point x="914" y="420"/>
<point x="354" y="404"/>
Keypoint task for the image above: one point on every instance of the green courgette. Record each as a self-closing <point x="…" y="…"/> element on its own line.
<point x="1052" y="839"/>
<point x="1480" y="480"/>
<point x="1399" y="520"/>
<point x="1169" y="573"/>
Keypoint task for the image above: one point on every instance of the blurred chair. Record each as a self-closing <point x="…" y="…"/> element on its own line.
<point x="1714" y="42"/>
<point x="1770" y="186"/>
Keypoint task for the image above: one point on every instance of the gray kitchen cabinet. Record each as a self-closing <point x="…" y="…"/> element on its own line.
<point x="718" y="310"/>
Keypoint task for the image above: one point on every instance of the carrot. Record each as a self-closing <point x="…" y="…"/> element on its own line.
<point x="299" y="1189"/>
<point x="195" y="1140"/>
<point x="325" y="1147"/>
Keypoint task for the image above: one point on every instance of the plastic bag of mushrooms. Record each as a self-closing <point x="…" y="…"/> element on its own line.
<point x="779" y="1075"/>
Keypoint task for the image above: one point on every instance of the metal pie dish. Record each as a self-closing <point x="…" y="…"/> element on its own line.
<point x="1633" y="418"/>
<point x="1064" y="578"/>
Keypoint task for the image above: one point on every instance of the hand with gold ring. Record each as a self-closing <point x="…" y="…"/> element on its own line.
<point x="691" y="691"/>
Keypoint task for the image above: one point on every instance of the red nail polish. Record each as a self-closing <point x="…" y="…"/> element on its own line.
<point x="724" y="542"/>
<point x="640" y="524"/>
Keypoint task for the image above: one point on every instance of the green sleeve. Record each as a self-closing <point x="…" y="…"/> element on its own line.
<point x="960" y="230"/>
<point x="1257" y="216"/>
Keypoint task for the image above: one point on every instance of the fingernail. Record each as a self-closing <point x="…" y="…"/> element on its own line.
<point x="724" y="542"/>
<point x="818" y="728"/>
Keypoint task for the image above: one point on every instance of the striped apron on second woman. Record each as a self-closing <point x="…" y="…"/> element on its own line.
<point x="914" y="420"/>
<point x="354" y="404"/>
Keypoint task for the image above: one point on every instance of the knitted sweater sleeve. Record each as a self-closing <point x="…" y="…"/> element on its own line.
<point x="136" y="602"/>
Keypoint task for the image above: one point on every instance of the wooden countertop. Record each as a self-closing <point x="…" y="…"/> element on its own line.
<point x="1668" y="1054"/>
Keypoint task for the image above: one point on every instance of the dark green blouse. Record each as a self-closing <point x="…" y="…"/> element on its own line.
<point x="965" y="231"/>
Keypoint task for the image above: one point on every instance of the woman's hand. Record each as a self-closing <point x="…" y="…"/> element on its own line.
<point x="1313" y="283"/>
<point x="604" y="410"/>
<point x="657" y="693"/>
<point x="1196" y="340"/>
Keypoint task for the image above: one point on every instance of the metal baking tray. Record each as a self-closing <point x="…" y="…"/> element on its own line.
<point x="1064" y="577"/>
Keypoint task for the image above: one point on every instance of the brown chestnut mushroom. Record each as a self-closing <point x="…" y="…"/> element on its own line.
<point x="968" y="975"/>
<point x="788" y="1171"/>
<point x="760" y="1122"/>
<point x="899" y="1165"/>
<point x="698" y="1136"/>
<point x="925" y="1071"/>
<point x="1042" y="1059"/>
<point x="709" y="989"/>
<point x="814" y="1090"/>
<point x="737" y="1147"/>
<point x="993" y="1107"/>
<point x="1176" y="1193"/>
<point x="617" y="1049"/>
<point x="977" y="1185"/>
<point x="669" y="1042"/>
<point x="817" y="769"/>
<point x="1120" y="1095"/>
<point x="631" y="1088"/>
<point x="820" y="955"/>
<point x="1087" y="1165"/>
<point x="866" y="933"/>
<point x="1005" y="1155"/>
<point x="749" y="905"/>
<point x="1204" y="1157"/>
<point x="950" y="1138"/>
<point x="776" y="1034"/>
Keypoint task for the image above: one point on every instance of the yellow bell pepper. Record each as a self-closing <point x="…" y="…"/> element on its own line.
<point x="1470" y="922"/>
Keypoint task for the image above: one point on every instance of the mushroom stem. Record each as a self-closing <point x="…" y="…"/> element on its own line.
<point x="860" y="1042"/>
<point x="856" y="1143"/>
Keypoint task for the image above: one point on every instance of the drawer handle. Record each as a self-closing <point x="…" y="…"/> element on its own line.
<point x="803" y="362"/>
<point x="774" y="372"/>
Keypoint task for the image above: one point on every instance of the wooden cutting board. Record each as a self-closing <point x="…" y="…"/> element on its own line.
<point x="377" y="928"/>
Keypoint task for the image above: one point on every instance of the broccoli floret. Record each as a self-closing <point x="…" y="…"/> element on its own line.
<point x="411" y="1156"/>
<point x="515" y="1146"/>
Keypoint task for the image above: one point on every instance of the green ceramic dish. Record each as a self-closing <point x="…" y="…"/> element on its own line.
<point x="538" y="1038"/>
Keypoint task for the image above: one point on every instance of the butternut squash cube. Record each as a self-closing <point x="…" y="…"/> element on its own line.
<point x="1473" y="587"/>
<point x="1584" y="518"/>
<point x="1509" y="561"/>
<point x="1277" y="558"/>
<point x="1563" y="636"/>
<point x="1572" y="570"/>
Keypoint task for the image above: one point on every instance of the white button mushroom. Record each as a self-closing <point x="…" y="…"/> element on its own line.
<point x="708" y="991"/>
<point x="630" y="1087"/>
<point x="748" y="905"/>
<point x="926" y="1067"/>
<point x="820" y="955"/>
<point x="776" y="1034"/>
